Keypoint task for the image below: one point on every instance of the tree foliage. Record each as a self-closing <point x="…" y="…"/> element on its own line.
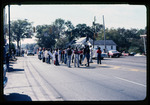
<point x="126" y="39"/>
<point x="21" y="29"/>
<point x="46" y="38"/>
<point x="61" y="32"/>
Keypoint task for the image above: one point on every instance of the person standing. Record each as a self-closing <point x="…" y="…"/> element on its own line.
<point x="76" y="57"/>
<point x="53" y="52"/>
<point x="87" y="53"/>
<point x="50" y="56"/>
<point x="40" y="54"/>
<point x="63" y="55"/>
<point x="56" y="57"/>
<point x="22" y="52"/>
<point x="69" y="52"/>
<point x="65" y="60"/>
<point x="59" y="56"/>
<point x="43" y="54"/>
<point x="81" y="56"/>
<point x="91" y="54"/>
<point x="99" y="55"/>
<point x="72" y="56"/>
<point x="46" y="56"/>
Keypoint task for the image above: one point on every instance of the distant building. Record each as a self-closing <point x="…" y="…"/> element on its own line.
<point x="110" y="44"/>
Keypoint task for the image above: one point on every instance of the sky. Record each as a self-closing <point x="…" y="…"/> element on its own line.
<point x="115" y="16"/>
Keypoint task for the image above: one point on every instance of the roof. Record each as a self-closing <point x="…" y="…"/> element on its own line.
<point x="81" y="40"/>
<point x="101" y="42"/>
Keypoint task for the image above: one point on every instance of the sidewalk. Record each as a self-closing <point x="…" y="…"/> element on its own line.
<point x="17" y="86"/>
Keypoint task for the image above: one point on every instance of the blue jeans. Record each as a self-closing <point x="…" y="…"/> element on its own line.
<point x="56" y="62"/>
<point x="99" y="59"/>
<point x="88" y="58"/>
<point x="76" y="60"/>
<point x="69" y="60"/>
<point x="65" y="60"/>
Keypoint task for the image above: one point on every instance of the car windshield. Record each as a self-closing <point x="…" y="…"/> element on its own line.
<point x="30" y="51"/>
<point x="114" y="51"/>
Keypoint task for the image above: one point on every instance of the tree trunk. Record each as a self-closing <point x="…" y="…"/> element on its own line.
<point x="18" y="49"/>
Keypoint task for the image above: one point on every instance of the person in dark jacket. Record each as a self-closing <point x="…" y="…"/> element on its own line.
<point x="56" y="57"/>
<point x="76" y="57"/>
<point x="87" y="54"/>
<point x="69" y="53"/>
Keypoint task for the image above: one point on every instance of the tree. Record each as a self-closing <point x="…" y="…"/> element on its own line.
<point x="60" y="25"/>
<point x="69" y="25"/>
<point x="61" y="43"/>
<point x="21" y="29"/>
<point x="126" y="39"/>
<point x="83" y="30"/>
<point x="45" y="38"/>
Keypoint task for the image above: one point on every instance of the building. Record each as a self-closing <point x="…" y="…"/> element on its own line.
<point x="110" y="44"/>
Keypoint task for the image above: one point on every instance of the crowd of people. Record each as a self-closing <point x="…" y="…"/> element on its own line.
<point x="78" y="56"/>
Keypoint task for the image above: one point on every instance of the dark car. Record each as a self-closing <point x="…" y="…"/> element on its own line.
<point x="30" y="52"/>
<point x="114" y="53"/>
<point x="132" y="54"/>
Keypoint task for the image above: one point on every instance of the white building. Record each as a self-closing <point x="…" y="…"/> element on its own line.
<point x="110" y="44"/>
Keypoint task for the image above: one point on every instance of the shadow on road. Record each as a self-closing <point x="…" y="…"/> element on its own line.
<point x="90" y="67"/>
<point x="13" y="62"/>
<point x="14" y="70"/>
<point x="17" y="97"/>
<point x="104" y="66"/>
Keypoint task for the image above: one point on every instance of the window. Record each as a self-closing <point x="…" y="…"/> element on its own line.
<point x="111" y="47"/>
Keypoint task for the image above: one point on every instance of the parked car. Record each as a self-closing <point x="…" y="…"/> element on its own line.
<point x="30" y="52"/>
<point x="125" y="53"/>
<point x="95" y="54"/>
<point x="132" y="53"/>
<point x="114" y="53"/>
<point x="5" y="79"/>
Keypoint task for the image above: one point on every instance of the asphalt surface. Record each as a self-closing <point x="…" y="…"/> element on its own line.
<point x="116" y="79"/>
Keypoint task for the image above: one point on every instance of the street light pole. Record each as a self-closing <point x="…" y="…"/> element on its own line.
<point x="94" y="30"/>
<point x="144" y="36"/>
<point x="144" y="45"/>
<point x="104" y="34"/>
<point x="9" y="28"/>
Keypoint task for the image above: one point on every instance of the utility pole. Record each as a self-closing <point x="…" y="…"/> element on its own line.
<point x="104" y="34"/>
<point x="144" y="36"/>
<point x="9" y="28"/>
<point x="94" y="30"/>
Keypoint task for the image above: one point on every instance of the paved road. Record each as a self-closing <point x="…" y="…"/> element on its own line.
<point x="115" y="79"/>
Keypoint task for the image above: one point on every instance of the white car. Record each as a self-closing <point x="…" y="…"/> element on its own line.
<point x="95" y="54"/>
<point x="30" y="52"/>
<point x="114" y="53"/>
